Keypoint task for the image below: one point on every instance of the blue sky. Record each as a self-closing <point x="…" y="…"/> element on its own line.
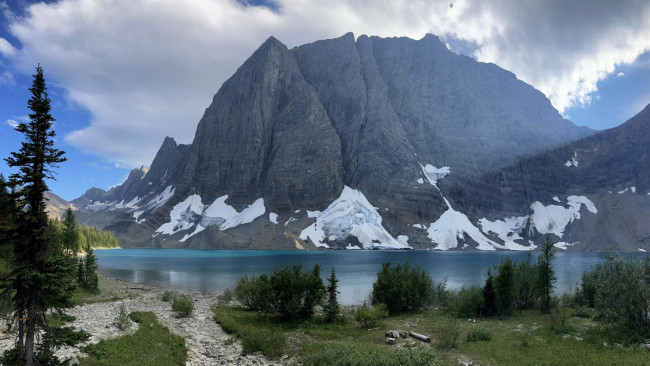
<point x="123" y="75"/>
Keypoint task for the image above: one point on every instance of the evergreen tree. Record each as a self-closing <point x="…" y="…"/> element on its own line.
<point x="39" y="278"/>
<point x="545" y="274"/>
<point x="504" y="284"/>
<point x="525" y="274"/>
<point x="70" y="233"/>
<point x="332" y="307"/>
<point x="489" y="295"/>
<point x="91" y="281"/>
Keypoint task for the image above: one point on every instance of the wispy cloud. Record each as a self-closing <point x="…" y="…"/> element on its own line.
<point x="7" y="79"/>
<point x="620" y="74"/>
<point x="11" y="122"/>
<point x="146" y="70"/>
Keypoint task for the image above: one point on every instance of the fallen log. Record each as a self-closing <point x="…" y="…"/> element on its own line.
<point x="421" y="337"/>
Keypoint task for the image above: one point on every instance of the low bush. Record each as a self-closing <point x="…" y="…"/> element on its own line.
<point x="122" y="320"/>
<point x="167" y="296"/>
<point x="224" y="298"/>
<point x="370" y="316"/>
<point x="182" y="305"/>
<point x="583" y="311"/>
<point x="448" y="333"/>
<point x="289" y="293"/>
<point x="620" y="291"/>
<point x="335" y="354"/>
<point x="478" y="335"/>
<point x="467" y="302"/>
<point x="403" y="288"/>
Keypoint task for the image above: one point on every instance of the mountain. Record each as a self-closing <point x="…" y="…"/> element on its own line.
<point x="371" y="143"/>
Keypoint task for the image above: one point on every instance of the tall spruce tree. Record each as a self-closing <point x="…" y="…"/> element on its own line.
<point x="70" y="233"/>
<point x="545" y="274"/>
<point x="332" y="307"/>
<point x="40" y="278"/>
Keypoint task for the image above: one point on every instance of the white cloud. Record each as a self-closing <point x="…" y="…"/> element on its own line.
<point x="13" y="123"/>
<point x="147" y="69"/>
<point x="7" y="79"/>
<point x="6" y="49"/>
<point x="620" y="74"/>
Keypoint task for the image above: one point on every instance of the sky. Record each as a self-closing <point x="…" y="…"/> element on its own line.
<point x="123" y="74"/>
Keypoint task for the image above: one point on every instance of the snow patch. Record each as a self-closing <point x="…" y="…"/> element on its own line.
<point x="273" y="217"/>
<point x="419" y="226"/>
<point x="507" y="230"/>
<point x="434" y="174"/>
<point x="193" y="212"/>
<point x="351" y="215"/>
<point x="183" y="215"/>
<point x="420" y="181"/>
<point x="553" y="219"/>
<point x="556" y="199"/>
<point x="642" y="250"/>
<point x="573" y="161"/>
<point x="452" y="226"/>
<point x="352" y="247"/>
<point x="633" y="189"/>
<point x="563" y="245"/>
<point x="313" y="214"/>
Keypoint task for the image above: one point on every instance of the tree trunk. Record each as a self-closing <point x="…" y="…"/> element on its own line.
<point x="421" y="337"/>
<point x="30" y="335"/>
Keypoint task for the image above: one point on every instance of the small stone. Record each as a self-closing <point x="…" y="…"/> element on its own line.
<point x="390" y="340"/>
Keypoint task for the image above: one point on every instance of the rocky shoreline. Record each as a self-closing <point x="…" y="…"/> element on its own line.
<point x="206" y="342"/>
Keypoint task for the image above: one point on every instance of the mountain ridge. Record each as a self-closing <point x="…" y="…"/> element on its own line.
<point x="294" y="127"/>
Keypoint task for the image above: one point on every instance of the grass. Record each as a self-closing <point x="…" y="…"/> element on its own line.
<point x="526" y="338"/>
<point x="151" y="344"/>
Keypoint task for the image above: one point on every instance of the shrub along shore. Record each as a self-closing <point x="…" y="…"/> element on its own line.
<point x="292" y="316"/>
<point x="513" y="319"/>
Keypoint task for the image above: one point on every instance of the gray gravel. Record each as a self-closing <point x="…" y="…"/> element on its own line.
<point x="206" y="342"/>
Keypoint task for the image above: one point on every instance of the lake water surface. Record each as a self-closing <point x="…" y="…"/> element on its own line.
<point x="215" y="270"/>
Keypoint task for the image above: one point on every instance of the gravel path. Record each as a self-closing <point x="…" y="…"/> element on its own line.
<point x="206" y="342"/>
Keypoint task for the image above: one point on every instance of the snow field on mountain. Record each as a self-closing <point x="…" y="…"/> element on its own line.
<point x="351" y="215"/>
<point x="192" y="211"/>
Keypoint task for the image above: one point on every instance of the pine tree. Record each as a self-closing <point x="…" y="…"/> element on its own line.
<point x="90" y="271"/>
<point x="332" y="307"/>
<point x="489" y="295"/>
<point x="505" y="287"/>
<point x="70" y="233"/>
<point x="545" y="274"/>
<point x="39" y="278"/>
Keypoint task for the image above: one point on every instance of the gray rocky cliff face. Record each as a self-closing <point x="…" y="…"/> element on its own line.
<point x="295" y="127"/>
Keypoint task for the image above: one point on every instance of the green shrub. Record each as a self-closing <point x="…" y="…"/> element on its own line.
<point x="224" y="298"/>
<point x="467" y="302"/>
<point x="478" y="335"/>
<point x="254" y="292"/>
<point x="122" y="320"/>
<point x="167" y="296"/>
<point x="447" y="333"/>
<point x="371" y="316"/>
<point x="182" y="305"/>
<point x="583" y="311"/>
<point x="289" y="293"/>
<point x="402" y="288"/>
<point x="336" y="354"/>
<point x="621" y="292"/>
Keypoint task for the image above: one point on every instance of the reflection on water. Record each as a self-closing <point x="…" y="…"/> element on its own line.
<point x="214" y="270"/>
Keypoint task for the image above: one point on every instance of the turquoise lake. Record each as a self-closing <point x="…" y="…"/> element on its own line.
<point x="215" y="270"/>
